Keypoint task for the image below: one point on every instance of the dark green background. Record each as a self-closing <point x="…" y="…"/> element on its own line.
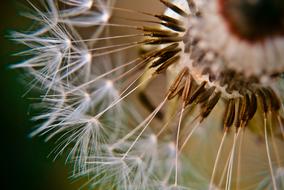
<point x="24" y="161"/>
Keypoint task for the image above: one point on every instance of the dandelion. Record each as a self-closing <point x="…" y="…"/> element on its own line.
<point x="187" y="96"/>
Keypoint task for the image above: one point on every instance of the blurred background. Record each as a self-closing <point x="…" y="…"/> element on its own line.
<point x="24" y="161"/>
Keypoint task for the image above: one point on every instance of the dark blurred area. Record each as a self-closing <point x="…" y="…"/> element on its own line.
<point x="24" y="161"/>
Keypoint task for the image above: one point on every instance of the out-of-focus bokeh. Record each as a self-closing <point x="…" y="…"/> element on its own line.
<point x="24" y="161"/>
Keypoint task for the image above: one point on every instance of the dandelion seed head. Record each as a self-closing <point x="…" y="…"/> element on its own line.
<point x="133" y="96"/>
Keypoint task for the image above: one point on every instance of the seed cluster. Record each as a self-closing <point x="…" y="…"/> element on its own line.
<point x="243" y="96"/>
<point x="93" y="59"/>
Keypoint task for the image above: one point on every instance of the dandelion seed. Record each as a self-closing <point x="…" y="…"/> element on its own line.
<point x="137" y="98"/>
